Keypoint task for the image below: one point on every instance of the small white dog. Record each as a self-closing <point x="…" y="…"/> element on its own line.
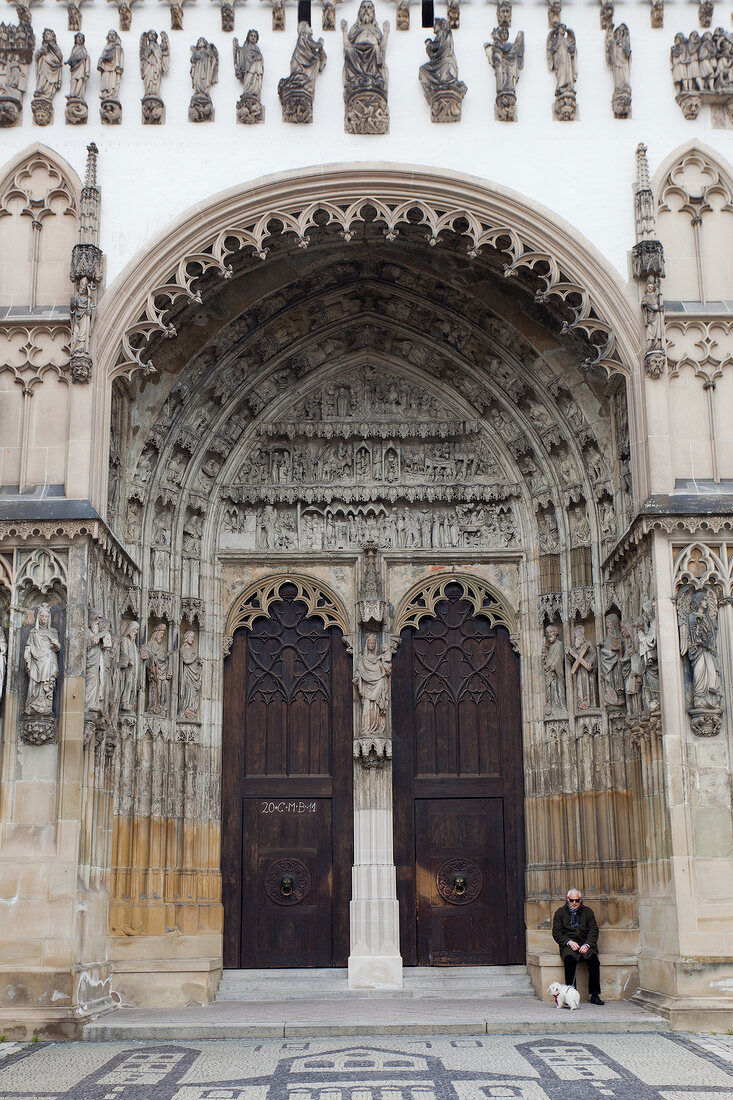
<point x="566" y="996"/>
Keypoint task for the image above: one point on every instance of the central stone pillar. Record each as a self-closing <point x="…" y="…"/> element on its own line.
<point x="374" y="960"/>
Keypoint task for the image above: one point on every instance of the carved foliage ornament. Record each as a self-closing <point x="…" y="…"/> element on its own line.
<point x="256" y="600"/>
<point x="214" y="254"/>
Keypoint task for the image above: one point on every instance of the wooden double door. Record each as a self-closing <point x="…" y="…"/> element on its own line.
<point x="287" y="832"/>
<point x="458" y="790"/>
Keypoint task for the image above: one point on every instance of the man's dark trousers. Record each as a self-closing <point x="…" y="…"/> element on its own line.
<point x="584" y="931"/>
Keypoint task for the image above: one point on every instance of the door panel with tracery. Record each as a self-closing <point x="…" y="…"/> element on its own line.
<point x="286" y="790"/>
<point x="459" y="840"/>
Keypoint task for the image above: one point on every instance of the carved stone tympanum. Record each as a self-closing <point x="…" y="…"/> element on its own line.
<point x="49" y="70"/>
<point x="204" y="74"/>
<point x="439" y="76"/>
<point x="365" y="73"/>
<point x="154" y="63"/>
<point x="249" y="68"/>
<point x="507" y="60"/>
<point x="297" y="90"/>
<point x="562" y="60"/>
<point x="111" y="66"/>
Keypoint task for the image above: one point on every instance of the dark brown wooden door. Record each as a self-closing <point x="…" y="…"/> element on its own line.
<point x="459" y="837"/>
<point x="287" y="832"/>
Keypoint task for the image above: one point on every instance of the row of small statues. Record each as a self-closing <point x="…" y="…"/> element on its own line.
<point x="626" y="659"/>
<point x="365" y="74"/>
<point x="702" y="69"/>
<point x="115" y="665"/>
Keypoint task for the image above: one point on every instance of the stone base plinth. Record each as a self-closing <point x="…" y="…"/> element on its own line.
<point x="375" y="972"/>
<point x="148" y="983"/>
<point x="619" y="975"/>
<point x="689" y="1013"/>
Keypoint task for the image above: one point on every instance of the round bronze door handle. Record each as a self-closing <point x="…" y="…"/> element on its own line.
<point x="287" y="881"/>
<point x="459" y="881"/>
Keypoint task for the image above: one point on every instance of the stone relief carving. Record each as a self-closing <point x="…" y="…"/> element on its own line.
<point x="124" y="8"/>
<point x="697" y="617"/>
<point x="582" y="665"/>
<point x="562" y="60"/>
<point x="702" y="71"/>
<point x="204" y="74"/>
<point x="249" y="69"/>
<point x="17" y="42"/>
<point x="618" y="59"/>
<point x="439" y="76"/>
<point x="278" y="14"/>
<point x="372" y="672"/>
<point x="507" y="61"/>
<point x="42" y="665"/>
<point x="49" y="70"/>
<point x="158" y="662"/>
<point x="80" y="66"/>
<point x="365" y="73"/>
<point x="553" y="664"/>
<point x="297" y="90"/>
<point x="111" y="65"/>
<point x="154" y="64"/>
<point x="189" y="701"/>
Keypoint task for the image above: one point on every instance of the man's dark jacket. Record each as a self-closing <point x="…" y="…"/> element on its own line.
<point x="586" y="932"/>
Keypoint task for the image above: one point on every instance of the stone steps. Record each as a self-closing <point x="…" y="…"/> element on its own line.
<point x="453" y="982"/>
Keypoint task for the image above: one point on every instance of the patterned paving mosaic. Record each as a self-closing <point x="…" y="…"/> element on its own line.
<point x="622" y="1067"/>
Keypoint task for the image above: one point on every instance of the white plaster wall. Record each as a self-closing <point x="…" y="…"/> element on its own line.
<point x="582" y="170"/>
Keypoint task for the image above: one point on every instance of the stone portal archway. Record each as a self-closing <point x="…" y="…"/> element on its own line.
<point x="365" y="411"/>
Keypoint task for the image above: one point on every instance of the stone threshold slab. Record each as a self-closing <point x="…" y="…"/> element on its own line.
<point x="277" y="1019"/>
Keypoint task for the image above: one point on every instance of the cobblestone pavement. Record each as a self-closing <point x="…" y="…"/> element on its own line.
<point x="624" y="1067"/>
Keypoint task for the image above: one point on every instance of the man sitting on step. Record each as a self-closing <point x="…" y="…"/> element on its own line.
<point x="575" y="931"/>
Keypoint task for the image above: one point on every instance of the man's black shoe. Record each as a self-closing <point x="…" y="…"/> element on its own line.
<point x="596" y="1000"/>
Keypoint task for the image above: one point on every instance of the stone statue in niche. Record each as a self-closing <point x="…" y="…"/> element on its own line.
<point x="190" y="677"/>
<point x="204" y="74"/>
<point x="365" y="73"/>
<point x="631" y="669"/>
<point x="507" y="61"/>
<point x="97" y="686"/>
<point x="647" y="632"/>
<point x="111" y="65"/>
<point x="249" y="69"/>
<point x="553" y="664"/>
<point x="129" y="668"/>
<point x="42" y="666"/>
<point x="439" y="76"/>
<point x="297" y="90"/>
<point x="582" y="662"/>
<point x="618" y="58"/>
<point x="49" y="71"/>
<point x="697" y="617"/>
<point x="372" y="679"/>
<point x="158" y="668"/>
<point x="82" y="310"/>
<point x="17" y="43"/>
<point x="610" y="654"/>
<point x="3" y="660"/>
<point x="80" y="66"/>
<point x="655" y="344"/>
<point x="154" y="63"/>
<point x="562" y="60"/>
